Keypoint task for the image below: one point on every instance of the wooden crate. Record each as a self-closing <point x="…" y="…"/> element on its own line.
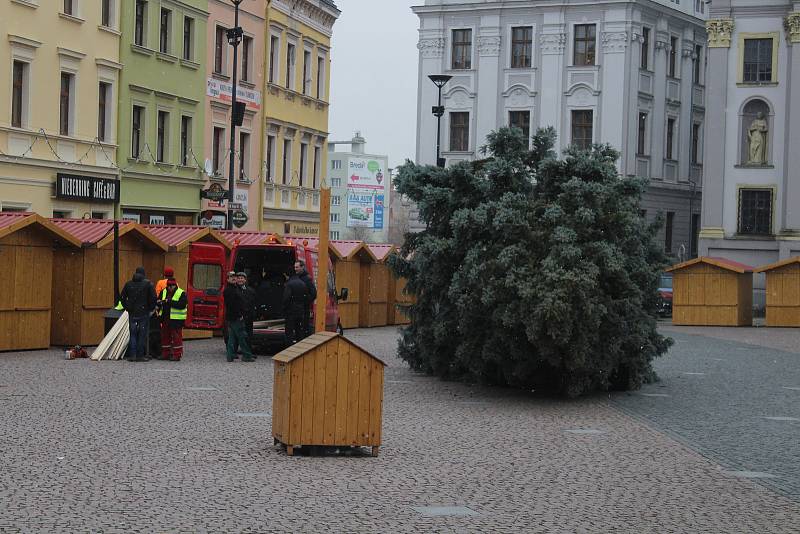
<point x="328" y="391"/>
<point x="27" y="247"/>
<point x="783" y="292"/>
<point x="712" y="292"/>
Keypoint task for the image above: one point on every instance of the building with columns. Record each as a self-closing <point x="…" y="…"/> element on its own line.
<point x="629" y="73"/>
<point x="751" y="196"/>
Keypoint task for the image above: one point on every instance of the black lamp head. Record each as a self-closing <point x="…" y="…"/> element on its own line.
<point x="439" y="79"/>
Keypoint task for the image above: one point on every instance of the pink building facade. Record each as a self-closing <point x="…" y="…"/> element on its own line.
<point x="250" y="83"/>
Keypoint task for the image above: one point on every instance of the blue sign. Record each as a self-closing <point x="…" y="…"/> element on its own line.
<point x="378" y="217"/>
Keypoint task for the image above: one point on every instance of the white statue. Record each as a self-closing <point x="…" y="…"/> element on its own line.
<point x="757" y="135"/>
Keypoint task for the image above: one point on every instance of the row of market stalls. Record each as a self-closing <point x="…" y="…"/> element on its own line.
<point x="711" y="291"/>
<point x="57" y="275"/>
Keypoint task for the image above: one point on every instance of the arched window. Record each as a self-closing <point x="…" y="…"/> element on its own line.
<point x="756" y="134"/>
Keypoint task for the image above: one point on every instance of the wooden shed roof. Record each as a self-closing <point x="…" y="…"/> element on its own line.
<point x="778" y="264"/>
<point x="381" y="252"/>
<point x="722" y="263"/>
<point x="178" y="237"/>
<point x="100" y="232"/>
<point x="312" y="342"/>
<point x="247" y="238"/>
<point x="14" y="221"/>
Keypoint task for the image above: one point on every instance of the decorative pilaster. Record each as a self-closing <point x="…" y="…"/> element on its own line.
<point x="552" y="43"/>
<point x="489" y="46"/>
<point x="792" y="26"/>
<point x="614" y="42"/>
<point x="431" y="48"/>
<point x="719" y="33"/>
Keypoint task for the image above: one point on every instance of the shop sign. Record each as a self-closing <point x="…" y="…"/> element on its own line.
<point x="242" y="198"/>
<point x="222" y="90"/>
<point x="215" y="192"/>
<point x="214" y="219"/>
<point x="131" y="217"/>
<point x="239" y="218"/>
<point x="76" y="187"/>
<point x="156" y="219"/>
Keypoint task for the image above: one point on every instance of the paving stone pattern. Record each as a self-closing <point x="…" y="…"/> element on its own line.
<point x="731" y="399"/>
<point x="127" y="447"/>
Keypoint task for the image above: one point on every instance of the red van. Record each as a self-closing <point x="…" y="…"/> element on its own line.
<point x="267" y="267"/>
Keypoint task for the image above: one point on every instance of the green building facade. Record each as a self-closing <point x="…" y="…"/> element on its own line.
<point x="162" y="109"/>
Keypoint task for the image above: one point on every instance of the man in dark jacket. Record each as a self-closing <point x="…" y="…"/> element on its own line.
<point x="138" y="297"/>
<point x="300" y="270"/>
<point x="248" y="306"/>
<point x="295" y="305"/>
<point x="234" y="316"/>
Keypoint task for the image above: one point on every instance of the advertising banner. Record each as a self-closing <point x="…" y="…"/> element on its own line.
<point x="365" y="173"/>
<point x="360" y="210"/>
<point x="221" y="90"/>
<point x="213" y="219"/>
<point x="241" y="197"/>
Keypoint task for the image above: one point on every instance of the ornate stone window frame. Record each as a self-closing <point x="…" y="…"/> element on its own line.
<point x="742" y="37"/>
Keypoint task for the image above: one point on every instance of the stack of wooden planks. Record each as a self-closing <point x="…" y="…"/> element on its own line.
<point x="115" y="343"/>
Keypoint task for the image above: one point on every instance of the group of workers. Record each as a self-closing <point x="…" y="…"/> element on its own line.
<point x="299" y="293"/>
<point x="169" y="303"/>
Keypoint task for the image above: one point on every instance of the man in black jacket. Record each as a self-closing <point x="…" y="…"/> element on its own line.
<point x="295" y="305"/>
<point x="300" y="269"/>
<point x="234" y="316"/>
<point x="138" y="297"/>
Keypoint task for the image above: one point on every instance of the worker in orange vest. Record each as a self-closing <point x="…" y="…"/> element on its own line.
<point x="169" y="272"/>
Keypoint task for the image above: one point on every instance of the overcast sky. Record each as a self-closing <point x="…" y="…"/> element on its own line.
<point x="374" y="76"/>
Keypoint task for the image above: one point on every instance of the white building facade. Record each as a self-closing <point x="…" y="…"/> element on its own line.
<point x="624" y="72"/>
<point x="751" y="198"/>
<point x="360" y="192"/>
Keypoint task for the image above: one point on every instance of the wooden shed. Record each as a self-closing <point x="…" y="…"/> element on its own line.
<point x="328" y="391"/>
<point x="398" y="301"/>
<point x="27" y="248"/>
<point x="712" y="292"/>
<point x="178" y="238"/>
<point x="783" y="292"/>
<point x="374" y="283"/>
<point x="348" y="258"/>
<point x="84" y="289"/>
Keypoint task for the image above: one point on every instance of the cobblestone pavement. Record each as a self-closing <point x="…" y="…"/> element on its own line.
<point x="732" y="394"/>
<point x="185" y="447"/>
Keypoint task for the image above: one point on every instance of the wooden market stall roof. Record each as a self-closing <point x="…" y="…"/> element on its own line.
<point x="722" y="263"/>
<point x="317" y="340"/>
<point x="778" y="264"/>
<point x="11" y="222"/>
<point x="381" y="252"/>
<point x="99" y="233"/>
<point x="242" y="237"/>
<point x="178" y="237"/>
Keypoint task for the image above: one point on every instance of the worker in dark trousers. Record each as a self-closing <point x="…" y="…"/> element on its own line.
<point x="300" y="269"/>
<point x="248" y="307"/>
<point x="173" y="306"/>
<point x="138" y="298"/>
<point x="295" y="304"/>
<point x="235" y="321"/>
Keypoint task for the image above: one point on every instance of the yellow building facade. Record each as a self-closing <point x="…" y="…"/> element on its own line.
<point x="58" y="111"/>
<point x="296" y="102"/>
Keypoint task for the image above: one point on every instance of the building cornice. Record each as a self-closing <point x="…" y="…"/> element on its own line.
<point x="23" y="41"/>
<point x="313" y="13"/>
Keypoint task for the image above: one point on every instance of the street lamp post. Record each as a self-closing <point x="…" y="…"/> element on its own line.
<point x="439" y="80"/>
<point x="234" y="36"/>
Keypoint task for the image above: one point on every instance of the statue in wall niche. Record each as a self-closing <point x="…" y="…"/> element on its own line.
<point x="757" y="137"/>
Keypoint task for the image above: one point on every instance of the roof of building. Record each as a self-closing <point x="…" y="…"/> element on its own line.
<point x="241" y="237"/>
<point x="11" y="222"/>
<point x="778" y="264"/>
<point x="312" y="342"/>
<point x="100" y="232"/>
<point x="381" y="251"/>
<point x="180" y="236"/>
<point x="722" y="263"/>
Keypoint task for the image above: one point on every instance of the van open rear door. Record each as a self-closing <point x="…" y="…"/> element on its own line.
<point x="206" y="277"/>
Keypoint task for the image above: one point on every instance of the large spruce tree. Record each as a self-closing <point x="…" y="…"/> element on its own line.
<point x="533" y="271"/>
